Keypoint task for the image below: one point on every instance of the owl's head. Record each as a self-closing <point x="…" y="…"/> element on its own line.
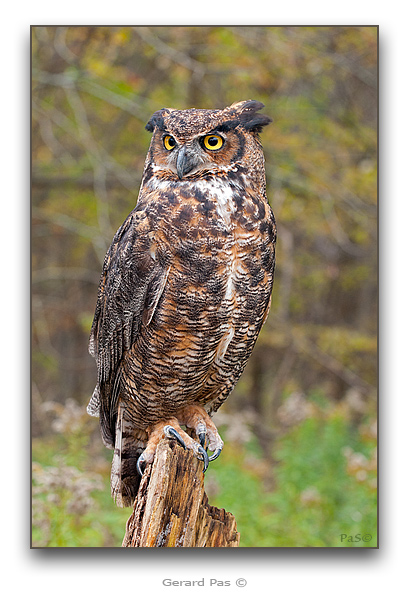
<point x="192" y="143"/>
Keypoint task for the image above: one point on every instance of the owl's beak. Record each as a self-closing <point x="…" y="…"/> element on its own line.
<point x="187" y="160"/>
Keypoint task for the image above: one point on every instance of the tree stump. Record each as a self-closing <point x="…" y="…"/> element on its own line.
<point x="171" y="508"/>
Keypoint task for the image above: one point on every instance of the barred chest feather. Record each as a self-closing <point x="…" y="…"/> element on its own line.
<point x="215" y="242"/>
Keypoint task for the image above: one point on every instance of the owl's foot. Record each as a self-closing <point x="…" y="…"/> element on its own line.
<point x="195" y="417"/>
<point x="172" y="430"/>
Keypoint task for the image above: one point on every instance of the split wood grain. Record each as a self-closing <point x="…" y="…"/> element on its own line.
<point x="172" y="509"/>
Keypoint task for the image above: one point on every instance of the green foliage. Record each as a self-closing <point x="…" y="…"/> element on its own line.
<point x="318" y="495"/>
<point x="321" y="485"/>
<point x="72" y="506"/>
<point x="315" y="495"/>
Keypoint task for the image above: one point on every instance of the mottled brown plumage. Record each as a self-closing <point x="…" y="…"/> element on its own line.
<point x="185" y="287"/>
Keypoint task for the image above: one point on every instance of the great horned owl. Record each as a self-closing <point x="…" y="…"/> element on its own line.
<point x="185" y="288"/>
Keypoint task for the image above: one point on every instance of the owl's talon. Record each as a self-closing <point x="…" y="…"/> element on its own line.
<point x="215" y="454"/>
<point x="170" y="432"/>
<point x="202" y="451"/>
<point x="202" y="438"/>
<point x="141" y="459"/>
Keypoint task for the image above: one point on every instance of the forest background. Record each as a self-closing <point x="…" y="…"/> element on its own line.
<point x="299" y="466"/>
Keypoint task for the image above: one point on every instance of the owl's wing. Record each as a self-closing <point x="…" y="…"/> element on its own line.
<point x="132" y="281"/>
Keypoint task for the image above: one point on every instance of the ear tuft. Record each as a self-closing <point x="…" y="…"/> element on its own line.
<point x="257" y="123"/>
<point x="247" y="106"/>
<point x="157" y="120"/>
<point x="248" y="118"/>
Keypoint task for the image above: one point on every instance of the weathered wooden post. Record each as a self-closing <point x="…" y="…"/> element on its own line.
<point x="171" y="508"/>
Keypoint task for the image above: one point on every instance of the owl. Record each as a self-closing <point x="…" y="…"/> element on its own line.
<point x="185" y="288"/>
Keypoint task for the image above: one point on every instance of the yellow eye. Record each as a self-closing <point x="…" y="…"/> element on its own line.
<point x="213" y="142"/>
<point x="169" y="142"/>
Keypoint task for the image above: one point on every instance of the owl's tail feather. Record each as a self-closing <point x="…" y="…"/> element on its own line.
<point x="124" y="475"/>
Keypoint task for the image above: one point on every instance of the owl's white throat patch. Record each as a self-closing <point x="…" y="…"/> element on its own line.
<point x="222" y="194"/>
<point x="217" y="190"/>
